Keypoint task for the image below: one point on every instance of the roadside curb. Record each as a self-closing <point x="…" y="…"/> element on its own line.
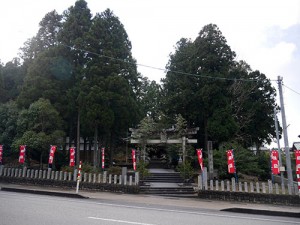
<point x="51" y="193"/>
<point x="262" y="212"/>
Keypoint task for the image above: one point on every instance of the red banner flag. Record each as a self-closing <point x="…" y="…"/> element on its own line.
<point x="103" y="157"/>
<point x="1" y="153"/>
<point x="72" y="156"/>
<point x="297" y="157"/>
<point x="200" y="158"/>
<point x="230" y="161"/>
<point x="275" y="162"/>
<point x="22" y="154"/>
<point x="133" y="159"/>
<point x="51" y="154"/>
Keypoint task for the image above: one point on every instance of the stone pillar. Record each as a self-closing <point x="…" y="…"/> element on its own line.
<point x="40" y="174"/>
<point x="120" y="179"/>
<point x="90" y="178"/>
<point x="130" y="180"/>
<point x="24" y="171"/>
<point x="124" y="173"/>
<point x="56" y="175"/>
<point x="32" y="174"/>
<point x="1" y="170"/>
<point x="283" y="189"/>
<point x="222" y="186"/>
<point x="264" y="188"/>
<point x="36" y="174"/>
<point x="109" y="178"/>
<point x="49" y="174"/>
<point x="69" y="176"/>
<point x="228" y="185"/>
<point x="115" y="179"/>
<point x="217" y="185"/>
<point x="137" y="178"/>
<point x="84" y="177"/>
<point x="28" y="173"/>
<point x="61" y="173"/>
<point x="240" y="187"/>
<point x="233" y="184"/>
<point x="246" y="186"/>
<point x="5" y="172"/>
<point x="289" y="189"/>
<point x="211" y="185"/>
<point x="20" y="172"/>
<point x="125" y="180"/>
<point x="104" y="177"/>
<point x="251" y="187"/>
<point x="94" y="178"/>
<point x="12" y="172"/>
<point x="257" y="188"/>
<point x="270" y="186"/>
<point x="65" y="175"/>
<point x="8" y="172"/>
<point x="75" y="175"/>
<point x="205" y="182"/>
<point x="99" y="178"/>
<point x="200" y="184"/>
<point x="276" y="189"/>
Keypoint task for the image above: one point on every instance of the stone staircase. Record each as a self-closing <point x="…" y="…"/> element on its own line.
<point x="165" y="182"/>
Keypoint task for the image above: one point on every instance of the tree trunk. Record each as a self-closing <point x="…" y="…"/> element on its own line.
<point x="96" y="147"/>
<point x="41" y="161"/>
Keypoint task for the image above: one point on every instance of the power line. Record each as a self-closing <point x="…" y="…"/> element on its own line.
<point x="291" y="89"/>
<point x="160" y="69"/>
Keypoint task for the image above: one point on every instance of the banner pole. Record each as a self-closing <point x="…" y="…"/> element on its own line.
<point x="78" y="177"/>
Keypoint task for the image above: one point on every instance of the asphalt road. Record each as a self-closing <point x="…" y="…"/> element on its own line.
<point x="30" y="209"/>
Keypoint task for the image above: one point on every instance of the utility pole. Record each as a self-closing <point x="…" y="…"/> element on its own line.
<point x="286" y="141"/>
<point x="279" y="150"/>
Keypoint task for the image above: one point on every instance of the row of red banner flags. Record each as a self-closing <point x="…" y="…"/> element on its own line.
<point x="230" y="158"/>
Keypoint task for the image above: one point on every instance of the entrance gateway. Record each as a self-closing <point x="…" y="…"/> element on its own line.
<point x="164" y="139"/>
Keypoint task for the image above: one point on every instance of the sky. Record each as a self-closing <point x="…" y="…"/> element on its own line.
<point x="265" y="34"/>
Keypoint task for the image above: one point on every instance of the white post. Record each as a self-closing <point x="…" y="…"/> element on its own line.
<point x="78" y="177"/>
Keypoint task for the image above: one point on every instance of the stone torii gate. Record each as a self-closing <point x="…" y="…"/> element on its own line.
<point x="165" y="140"/>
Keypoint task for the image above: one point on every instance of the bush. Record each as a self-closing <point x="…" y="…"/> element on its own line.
<point x="186" y="171"/>
<point x="85" y="168"/>
<point x="115" y="170"/>
<point x="142" y="169"/>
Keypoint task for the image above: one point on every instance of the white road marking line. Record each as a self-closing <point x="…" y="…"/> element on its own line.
<point x="119" y="221"/>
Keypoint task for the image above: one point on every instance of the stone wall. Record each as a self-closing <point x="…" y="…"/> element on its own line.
<point x="250" y="197"/>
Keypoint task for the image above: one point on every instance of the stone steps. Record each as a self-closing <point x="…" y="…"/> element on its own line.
<point x="165" y="183"/>
<point x="178" y="191"/>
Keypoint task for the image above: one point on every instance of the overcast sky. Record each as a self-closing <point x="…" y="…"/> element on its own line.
<point x="266" y="34"/>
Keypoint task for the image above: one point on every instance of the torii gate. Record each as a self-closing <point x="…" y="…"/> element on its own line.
<point x="164" y="140"/>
